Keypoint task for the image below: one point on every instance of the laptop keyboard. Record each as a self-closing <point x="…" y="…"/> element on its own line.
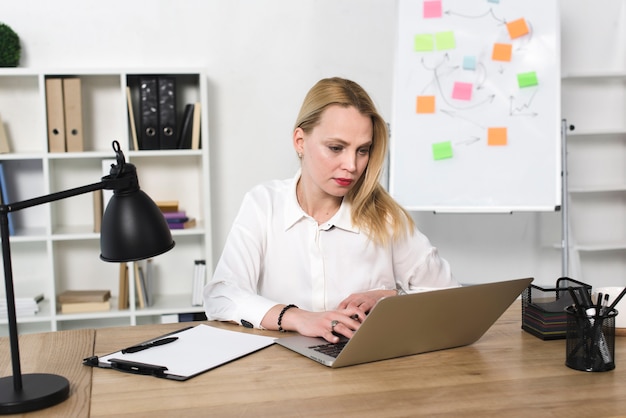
<point x="330" y="349"/>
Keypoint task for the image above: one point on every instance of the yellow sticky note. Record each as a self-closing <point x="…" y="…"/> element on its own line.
<point x="423" y="42"/>
<point x="502" y="52"/>
<point x="445" y="40"/>
<point x="425" y="104"/>
<point x="442" y="150"/>
<point x="517" y="28"/>
<point x="496" y="136"/>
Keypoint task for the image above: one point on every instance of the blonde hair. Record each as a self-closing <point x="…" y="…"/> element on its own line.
<point x="373" y="209"/>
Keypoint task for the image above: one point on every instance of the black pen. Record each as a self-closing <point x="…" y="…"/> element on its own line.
<point x="147" y="345"/>
<point x="617" y="299"/>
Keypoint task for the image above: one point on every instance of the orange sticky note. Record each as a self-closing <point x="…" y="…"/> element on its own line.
<point x="425" y="104"/>
<point x="502" y="52"/>
<point x="517" y="28"/>
<point x="496" y="136"/>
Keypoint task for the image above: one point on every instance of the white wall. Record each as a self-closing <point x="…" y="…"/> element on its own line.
<point x="262" y="57"/>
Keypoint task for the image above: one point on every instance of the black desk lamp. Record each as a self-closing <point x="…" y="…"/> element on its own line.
<point x="133" y="228"/>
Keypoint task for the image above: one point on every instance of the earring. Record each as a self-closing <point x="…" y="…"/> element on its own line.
<point x="300" y="155"/>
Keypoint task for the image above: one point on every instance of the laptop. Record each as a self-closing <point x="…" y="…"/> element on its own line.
<point x="416" y="323"/>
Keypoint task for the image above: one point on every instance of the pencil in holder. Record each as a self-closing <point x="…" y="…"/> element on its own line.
<point x="590" y="339"/>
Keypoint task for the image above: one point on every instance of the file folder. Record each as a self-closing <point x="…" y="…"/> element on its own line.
<point x="72" y="101"/>
<point x="54" y="113"/>
<point x="196" y="350"/>
<point x="149" y="116"/>
<point x="167" y="112"/>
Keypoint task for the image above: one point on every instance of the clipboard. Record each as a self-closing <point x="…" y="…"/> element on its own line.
<point x="196" y="350"/>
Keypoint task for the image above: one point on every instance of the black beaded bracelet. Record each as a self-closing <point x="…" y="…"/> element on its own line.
<point x="280" y="316"/>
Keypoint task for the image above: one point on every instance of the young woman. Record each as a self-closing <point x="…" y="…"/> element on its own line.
<point x="314" y="253"/>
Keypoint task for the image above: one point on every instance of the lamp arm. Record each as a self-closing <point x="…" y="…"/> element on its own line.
<point x="107" y="182"/>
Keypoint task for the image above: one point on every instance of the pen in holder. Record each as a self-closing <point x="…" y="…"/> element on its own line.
<point x="590" y="339"/>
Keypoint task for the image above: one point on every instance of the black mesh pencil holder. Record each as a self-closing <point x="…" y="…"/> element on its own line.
<point x="590" y="340"/>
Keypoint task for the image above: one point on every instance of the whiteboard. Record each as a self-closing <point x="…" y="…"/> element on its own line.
<point x="476" y="106"/>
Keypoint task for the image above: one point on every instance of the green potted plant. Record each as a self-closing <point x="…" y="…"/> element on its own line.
<point x="10" y="49"/>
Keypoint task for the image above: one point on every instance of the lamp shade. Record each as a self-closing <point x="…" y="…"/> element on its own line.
<point x="133" y="228"/>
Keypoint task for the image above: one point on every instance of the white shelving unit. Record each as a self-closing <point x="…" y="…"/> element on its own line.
<point x="54" y="247"/>
<point x="595" y="103"/>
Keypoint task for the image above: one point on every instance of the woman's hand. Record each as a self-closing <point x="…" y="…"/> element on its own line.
<point x="365" y="301"/>
<point x="330" y="324"/>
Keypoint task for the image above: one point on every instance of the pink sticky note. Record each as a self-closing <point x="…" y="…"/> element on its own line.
<point x="462" y="91"/>
<point x="432" y="9"/>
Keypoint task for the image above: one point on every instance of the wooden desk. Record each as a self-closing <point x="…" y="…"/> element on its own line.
<point x="58" y="353"/>
<point x="508" y="372"/>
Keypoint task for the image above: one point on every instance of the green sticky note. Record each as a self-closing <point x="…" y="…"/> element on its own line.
<point x="423" y="42"/>
<point x="527" y="79"/>
<point x="445" y="40"/>
<point x="442" y="150"/>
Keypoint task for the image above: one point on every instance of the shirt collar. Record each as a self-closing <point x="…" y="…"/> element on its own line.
<point x="294" y="213"/>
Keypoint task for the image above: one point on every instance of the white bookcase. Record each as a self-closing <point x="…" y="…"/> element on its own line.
<point x="595" y="103"/>
<point x="54" y="247"/>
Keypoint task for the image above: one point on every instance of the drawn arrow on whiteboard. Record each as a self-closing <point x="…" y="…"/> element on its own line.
<point x="470" y="141"/>
<point x="453" y="114"/>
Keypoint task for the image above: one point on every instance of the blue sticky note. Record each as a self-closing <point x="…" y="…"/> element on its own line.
<point x="493" y="1"/>
<point x="469" y="62"/>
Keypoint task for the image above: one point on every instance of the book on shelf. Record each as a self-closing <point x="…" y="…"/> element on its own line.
<point x="198" y="282"/>
<point x="131" y="119"/>
<point x="98" y="211"/>
<point x="122" y="300"/>
<point x="24" y="306"/>
<point x="178" y="216"/>
<point x="185" y="224"/>
<point x="81" y="296"/>
<point x="167" y="205"/>
<point x="184" y="132"/>
<point x="179" y="219"/>
<point x="195" y="127"/>
<point x="4" y="197"/>
<point x="84" y="307"/>
<point x="81" y="301"/>
<point x="4" y="139"/>
<point x="144" y="283"/>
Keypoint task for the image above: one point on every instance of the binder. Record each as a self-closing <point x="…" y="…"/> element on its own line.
<point x="54" y="113"/>
<point x="194" y="351"/>
<point x="167" y="112"/>
<point x="73" y="108"/>
<point x="149" y="116"/>
<point x="184" y="135"/>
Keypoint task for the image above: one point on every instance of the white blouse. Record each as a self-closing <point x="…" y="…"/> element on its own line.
<point x="277" y="254"/>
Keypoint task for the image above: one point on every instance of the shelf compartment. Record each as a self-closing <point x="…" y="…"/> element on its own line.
<point x="21" y="99"/>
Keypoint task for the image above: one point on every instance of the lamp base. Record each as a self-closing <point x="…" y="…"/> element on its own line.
<point x="39" y="391"/>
